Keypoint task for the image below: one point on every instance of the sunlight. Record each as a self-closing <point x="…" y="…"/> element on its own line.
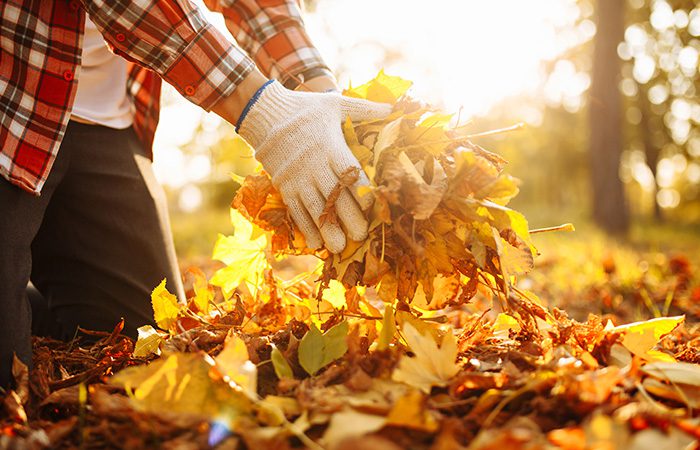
<point x="468" y="54"/>
<point x="463" y="55"/>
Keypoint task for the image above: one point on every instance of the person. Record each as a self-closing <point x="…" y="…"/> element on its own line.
<point x="82" y="216"/>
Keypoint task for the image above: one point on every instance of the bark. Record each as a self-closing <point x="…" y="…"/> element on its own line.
<point x="651" y="150"/>
<point x="610" y="210"/>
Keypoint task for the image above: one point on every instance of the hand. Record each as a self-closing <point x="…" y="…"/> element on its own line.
<point x="297" y="137"/>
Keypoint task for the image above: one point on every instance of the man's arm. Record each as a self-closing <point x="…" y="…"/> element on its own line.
<point x="272" y="32"/>
<point x="297" y="136"/>
<point x="173" y="38"/>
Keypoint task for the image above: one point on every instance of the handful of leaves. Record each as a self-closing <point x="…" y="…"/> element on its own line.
<point x="439" y="225"/>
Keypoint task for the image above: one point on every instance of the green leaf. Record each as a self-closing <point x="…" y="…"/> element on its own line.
<point x="317" y="350"/>
<point x="281" y="365"/>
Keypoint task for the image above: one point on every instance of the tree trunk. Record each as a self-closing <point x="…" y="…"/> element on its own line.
<point x="609" y="206"/>
<point x="651" y="150"/>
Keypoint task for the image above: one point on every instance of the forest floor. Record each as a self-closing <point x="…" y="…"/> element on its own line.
<point x="513" y="389"/>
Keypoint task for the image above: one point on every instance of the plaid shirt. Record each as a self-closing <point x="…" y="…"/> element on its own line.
<point x="40" y="51"/>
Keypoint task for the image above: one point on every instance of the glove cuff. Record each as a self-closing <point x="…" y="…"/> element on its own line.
<point x="265" y="112"/>
<point x="250" y="103"/>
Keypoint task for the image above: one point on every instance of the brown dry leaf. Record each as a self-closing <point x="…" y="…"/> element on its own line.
<point x="596" y="386"/>
<point x="421" y="197"/>
<point x="470" y="381"/>
<point x="347" y="179"/>
<point x="682" y="393"/>
<point x="14" y="408"/>
<point x="63" y="397"/>
<point x="20" y="373"/>
<point x="253" y="194"/>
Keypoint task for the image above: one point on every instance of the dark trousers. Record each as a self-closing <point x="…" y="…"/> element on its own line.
<point x="95" y="243"/>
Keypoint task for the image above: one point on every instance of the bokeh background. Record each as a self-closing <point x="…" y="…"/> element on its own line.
<point x="607" y="90"/>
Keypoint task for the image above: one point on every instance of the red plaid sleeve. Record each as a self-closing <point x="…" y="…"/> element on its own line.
<point x="172" y="38"/>
<point x="273" y="34"/>
<point x="38" y="59"/>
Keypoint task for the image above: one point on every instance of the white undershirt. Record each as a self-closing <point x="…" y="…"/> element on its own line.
<point x="101" y="97"/>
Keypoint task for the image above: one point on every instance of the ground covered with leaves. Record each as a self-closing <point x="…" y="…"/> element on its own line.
<point x="433" y="333"/>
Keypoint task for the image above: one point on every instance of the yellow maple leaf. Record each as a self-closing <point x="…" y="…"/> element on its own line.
<point x="383" y="88"/>
<point x="233" y="362"/>
<point x="503" y="325"/>
<point x="165" y="306"/>
<point x="425" y="328"/>
<point x="243" y="253"/>
<point x="181" y="383"/>
<point x="410" y="411"/>
<point x="431" y="365"/>
<point x="203" y="296"/>
<point x="641" y="337"/>
<point x="335" y="294"/>
<point x="430" y="133"/>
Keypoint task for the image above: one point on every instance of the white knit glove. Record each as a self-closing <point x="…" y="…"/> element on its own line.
<point x="297" y="136"/>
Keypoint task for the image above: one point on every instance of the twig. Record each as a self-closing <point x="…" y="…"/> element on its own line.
<point x="516" y="127"/>
<point x="562" y="227"/>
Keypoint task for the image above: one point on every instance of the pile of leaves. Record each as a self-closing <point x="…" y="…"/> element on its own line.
<point x="397" y="383"/>
<point x="390" y="345"/>
<point x="439" y="225"/>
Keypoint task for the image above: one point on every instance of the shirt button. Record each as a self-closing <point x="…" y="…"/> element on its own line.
<point x="74" y="5"/>
<point x="120" y="37"/>
<point x="68" y="75"/>
<point x="189" y="90"/>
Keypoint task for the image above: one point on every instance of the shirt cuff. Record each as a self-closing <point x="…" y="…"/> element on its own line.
<point x="288" y="54"/>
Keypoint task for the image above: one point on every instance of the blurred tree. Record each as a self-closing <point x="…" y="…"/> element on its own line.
<point x="660" y="50"/>
<point x="650" y="141"/>
<point x="605" y="113"/>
